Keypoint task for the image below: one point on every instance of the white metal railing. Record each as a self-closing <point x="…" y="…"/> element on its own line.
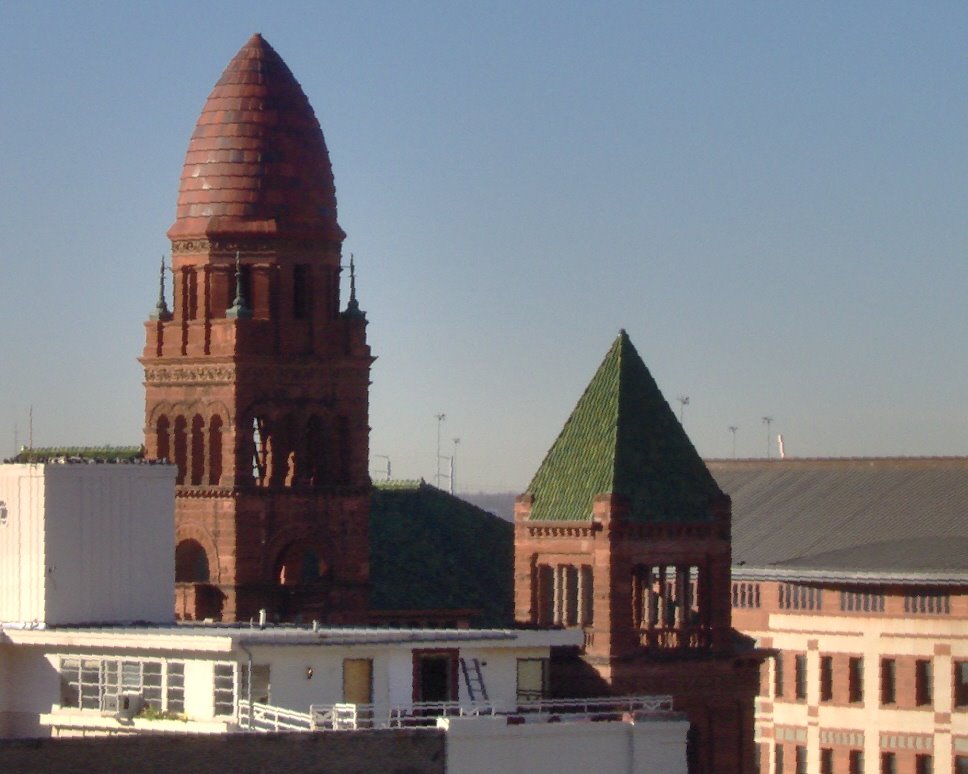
<point x="599" y="707"/>
<point x="347" y="717"/>
<point x="264" y="717"/>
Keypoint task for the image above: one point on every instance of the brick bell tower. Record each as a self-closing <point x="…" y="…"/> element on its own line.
<point x="256" y="381"/>
<point x="625" y="534"/>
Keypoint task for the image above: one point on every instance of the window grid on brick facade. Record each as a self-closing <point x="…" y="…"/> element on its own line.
<point x="746" y="595"/>
<point x="888" y="763"/>
<point x="888" y="681"/>
<point x="801" y="759"/>
<point x="856" y="762"/>
<point x="855" y="679"/>
<point x="961" y="683"/>
<point x="800" y="675"/>
<point x="861" y="602"/>
<point x="793" y="596"/>
<point x="923" y="688"/>
<point x="778" y="762"/>
<point x="927" y="602"/>
<point x="826" y="761"/>
<point x="826" y="678"/>
<point x="923" y="764"/>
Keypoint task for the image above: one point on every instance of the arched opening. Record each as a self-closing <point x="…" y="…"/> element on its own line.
<point x="191" y="562"/>
<point x="162" y="430"/>
<point x="215" y="451"/>
<point x="198" y="450"/>
<point x="181" y="447"/>
<point x="261" y="451"/>
<point x="299" y="564"/>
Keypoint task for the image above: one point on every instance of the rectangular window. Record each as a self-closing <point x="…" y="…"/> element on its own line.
<point x="801" y="753"/>
<point x="861" y="602"/>
<point x="888" y="681"/>
<point x="923" y="764"/>
<point x="100" y="683"/>
<point x="961" y="683"/>
<point x="793" y="596"/>
<point x="260" y="683"/>
<point x="826" y="761"/>
<point x="961" y="764"/>
<point x="800" y="675"/>
<point x="856" y="762"/>
<point x="778" y="676"/>
<point x="923" y="693"/>
<point x="927" y="602"/>
<point x="778" y="755"/>
<point x="888" y="763"/>
<point x="746" y="595"/>
<point x="223" y="693"/>
<point x="855" y="679"/>
<point x="301" y="292"/>
<point x="826" y="678"/>
<point x="533" y="679"/>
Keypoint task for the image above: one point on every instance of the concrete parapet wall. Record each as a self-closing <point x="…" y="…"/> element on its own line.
<point x="410" y="751"/>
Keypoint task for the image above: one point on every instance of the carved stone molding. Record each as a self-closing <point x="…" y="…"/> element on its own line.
<point x="190" y="374"/>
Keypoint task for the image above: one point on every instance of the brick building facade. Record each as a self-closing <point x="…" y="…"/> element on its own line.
<point x="625" y="534"/>
<point x="256" y="380"/>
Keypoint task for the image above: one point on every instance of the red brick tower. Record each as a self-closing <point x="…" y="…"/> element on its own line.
<point x="256" y="382"/>
<point x="624" y="533"/>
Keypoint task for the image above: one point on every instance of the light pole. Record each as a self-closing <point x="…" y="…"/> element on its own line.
<point x="767" y="421"/>
<point x="733" y="429"/>
<point x="453" y="468"/>
<point x="440" y="421"/>
<point x="683" y="402"/>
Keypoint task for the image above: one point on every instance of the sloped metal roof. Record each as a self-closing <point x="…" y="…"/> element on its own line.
<point x="900" y="515"/>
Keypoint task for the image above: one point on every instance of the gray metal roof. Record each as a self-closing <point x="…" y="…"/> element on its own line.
<point x="903" y="516"/>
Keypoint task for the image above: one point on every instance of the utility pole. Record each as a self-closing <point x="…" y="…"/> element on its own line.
<point x="440" y="421"/>
<point x="683" y="402"/>
<point x="733" y="429"/>
<point x="453" y="468"/>
<point x="768" y="421"/>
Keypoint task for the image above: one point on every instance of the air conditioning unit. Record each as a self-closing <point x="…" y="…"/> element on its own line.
<point x="129" y="705"/>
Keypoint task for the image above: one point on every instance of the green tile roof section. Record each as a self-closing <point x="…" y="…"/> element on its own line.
<point x="623" y="438"/>
<point x="430" y="550"/>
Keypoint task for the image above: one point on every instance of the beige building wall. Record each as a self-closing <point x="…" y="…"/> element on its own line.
<point x="844" y="722"/>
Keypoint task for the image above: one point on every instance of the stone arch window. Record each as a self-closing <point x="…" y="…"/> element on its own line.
<point x="565" y="594"/>
<point x="667" y="606"/>
<point x="215" y="450"/>
<point x="162" y="431"/>
<point x="198" y="450"/>
<point x="191" y="563"/>
<point x="181" y="447"/>
<point x="261" y="451"/>
<point x="299" y="564"/>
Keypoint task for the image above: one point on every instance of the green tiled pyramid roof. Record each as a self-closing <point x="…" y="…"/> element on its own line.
<point x="623" y="438"/>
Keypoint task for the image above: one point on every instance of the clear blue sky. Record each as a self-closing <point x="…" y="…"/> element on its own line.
<point x="770" y="197"/>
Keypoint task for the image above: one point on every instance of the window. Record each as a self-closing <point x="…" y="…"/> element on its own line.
<point x="826" y="678"/>
<point x="778" y="675"/>
<point x="260" y="683"/>
<point x="855" y="679"/>
<point x="3" y="512"/>
<point x="856" y="762"/>
<point x="533" y="679"/>
<point x="861" y="602"/>
<point x="800" y="675"/>
<point x="358" y="680"/>
<point x="826" y="761"/>
<point x="888" y="681"/>
<point x="99" y="683"/>
<point x="778" y="766"/>
<point x="224" y="690"/>
<point x="796" y="597"/>
<point x="746" y="595"/>
<point x="301" y="291"/>
<point x="801" y="759"/>
<point x="888" y="763"/>
<point x="961" y="683"/>
<point x="927" y="602"/>
<point x="923" y="694"/>
<point x="923" y="764"/>
<point x="961" y="764"/>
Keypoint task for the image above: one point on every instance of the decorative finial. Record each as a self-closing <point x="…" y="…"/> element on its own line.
<point x="353" y="306"/>
<point x="161" y="308"/>
<point x="239" y="309"/>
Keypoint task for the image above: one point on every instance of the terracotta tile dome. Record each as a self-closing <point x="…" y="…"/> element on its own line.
<point x="257" y="162"/>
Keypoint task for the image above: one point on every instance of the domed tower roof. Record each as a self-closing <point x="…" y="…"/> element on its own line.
<point x="257" y="163"/>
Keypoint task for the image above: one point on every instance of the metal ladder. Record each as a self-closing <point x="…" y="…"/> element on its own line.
<point x="473" y="678"/>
